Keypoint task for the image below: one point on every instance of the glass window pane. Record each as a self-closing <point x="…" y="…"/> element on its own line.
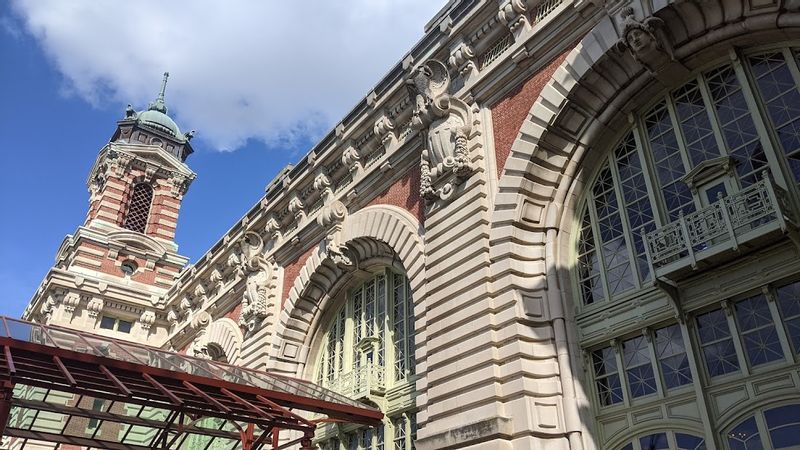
<point x="759" y="336"/>
<point x="689" y="442"/>
<point x="783" y="424"/>
<point x="606" y="375"/>
<point x="656" y="441"/>
<point x="789" y="305"/>
<point x="715" y="339"/>
<point x="672" y="358"/>
<point x="745" y="436"/>
<point x="107" y="323"/>
<point x="123" y="326"/>
<point x="638" y="368"/>
<point x="737" y="126"/>
<point x="779" y="93"/>
<point x="696" y="128"/>
<point x="588" y="264"/>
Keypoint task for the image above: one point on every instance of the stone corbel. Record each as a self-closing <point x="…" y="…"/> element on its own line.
<point x="462" y="59"/>
<point x="322" y="184"/>
<point x="48" y="307"/>
<point x="514" y="15"/>
<point x="296" y="208"/>
<point x="150" y="172"/>
<point x="178" y="185"/>
<point x="216" y="279"/>
<point x="384" y="129"/>
<point x="352" y="159"/>
<point x="146" y="320"/>
<point x="172" y="318"/>
<point x="273" y="228"/>
<point x="200" y="294"/>
<point x="71" y="302"/>
<point x="118" y="163"/>
<point x="331" y="219"/>
<point x="95" y="307"/>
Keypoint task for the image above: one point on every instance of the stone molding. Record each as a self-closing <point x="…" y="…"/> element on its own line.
<point x="223" y="332"/>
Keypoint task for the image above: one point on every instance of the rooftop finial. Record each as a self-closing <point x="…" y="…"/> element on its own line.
<point x="163" y="87"/>
<point x="159" y="104"/>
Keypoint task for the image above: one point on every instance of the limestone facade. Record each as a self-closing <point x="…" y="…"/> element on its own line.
<point x="565" y="187"/>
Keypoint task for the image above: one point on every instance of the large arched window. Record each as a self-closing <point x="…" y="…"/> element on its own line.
<point x="729" y="131"/>
<point x="744" y="114"/>
<point x="139" y="208"/>
<point x="367" y="353"/>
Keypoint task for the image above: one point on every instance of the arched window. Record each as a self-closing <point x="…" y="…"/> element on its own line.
<point x="744" y="115"/>
<point x="667" y="440"/>
<point x="139" y="208"/>
<point x="774" y="428"/>
<point x="367" y="353"/>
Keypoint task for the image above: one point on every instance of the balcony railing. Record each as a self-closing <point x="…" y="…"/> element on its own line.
<point x="715" y="234"/>
<point x="361" y="382"/>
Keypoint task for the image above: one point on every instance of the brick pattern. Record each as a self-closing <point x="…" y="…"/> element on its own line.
<point x="510" y="112"/>
<point x="404" y="193"/>
<point x="291" y="271"/>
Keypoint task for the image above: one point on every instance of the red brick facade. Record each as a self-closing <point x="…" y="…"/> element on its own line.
<point x="404" y="193"/>
<point x="509" y="113"/>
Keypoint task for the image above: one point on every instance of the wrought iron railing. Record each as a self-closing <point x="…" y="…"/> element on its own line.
<point x="725" y="224"/>
<point x="361" y="382"/>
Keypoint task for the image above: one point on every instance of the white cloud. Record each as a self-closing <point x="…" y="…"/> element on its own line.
<point x="240" y="69"/>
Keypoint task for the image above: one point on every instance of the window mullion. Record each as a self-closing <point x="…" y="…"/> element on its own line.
<point x="661" y="389"/>
<point x="650" y="179"/>
<point x="736" y="337"/>
<point x="692" y="347"/>
<point x="777" y="323"/>
<point x="712" y="116"/>
<point x="623" y="376"/>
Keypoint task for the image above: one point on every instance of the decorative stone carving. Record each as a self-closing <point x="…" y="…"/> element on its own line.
<point x="258" y="274"/>
<point x="94" y="307"/>
<point x="216" y="279"/>
<point x="178" y="185"/>
<point x="172" y="317"/>
<point x="384" y="129"/>
<point x="48" y="307"/>
<point x="273" y="228"/>
<point x="118" y="163"/>
<point x="71" y="301"/>
<point x="322" y="183"/>
<point x="462" y="59"/>
<point x="646" y="41"/>
<point x="147" y="319"/>
<point x="296" y="208"/>
<point x="445" y="125"/>
<point x="352" y="159"/>
<point x="200" y="294"/>
<point x="331" y="218"/>
<point x="514" y="14"/>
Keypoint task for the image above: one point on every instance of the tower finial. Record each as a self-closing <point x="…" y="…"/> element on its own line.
<point x="163" y="87"/>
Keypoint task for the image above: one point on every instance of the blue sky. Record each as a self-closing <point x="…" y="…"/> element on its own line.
<point x="59" y="106"/>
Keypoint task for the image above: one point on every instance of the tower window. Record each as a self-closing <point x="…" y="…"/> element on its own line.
<point x="139" y="208"/>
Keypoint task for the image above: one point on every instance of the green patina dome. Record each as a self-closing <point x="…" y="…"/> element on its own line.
<point x="156" y="117"/>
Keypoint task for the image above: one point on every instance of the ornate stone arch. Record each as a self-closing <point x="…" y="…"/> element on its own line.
<point x="580" y="112"/>
<point x="224" y="333"/>
<point x="379" y="231"/>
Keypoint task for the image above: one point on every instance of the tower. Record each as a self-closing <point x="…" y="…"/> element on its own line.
<point x="110" y="276"/>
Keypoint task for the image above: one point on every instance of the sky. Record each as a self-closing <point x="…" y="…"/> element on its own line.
<point x="260" y="81"/>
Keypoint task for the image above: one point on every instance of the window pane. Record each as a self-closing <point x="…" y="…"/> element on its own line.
<point x="779" y="93"/>
<point x="783" y="424"/>
<point x="107" y="323"/>
<point x="614" y="246"/>
<point x="789" y="304"/>
<point x="638" y="208"/>
<point x="745" y="436"/>
<point x="758" y="331"/>
<point x="638" y="368"/>
<point x="588" y="264"/>
<point x="689" y="442"/>
<point x="656" y="441"/>
<point x="715" y="338"/>
<point x="693" y="118"/>
<point x="124" y="326"/>
<point x="607" y="380"/>
<point x="738" y="129"/>
<point x="672" y="357"/>
<point x="668" y="162"/>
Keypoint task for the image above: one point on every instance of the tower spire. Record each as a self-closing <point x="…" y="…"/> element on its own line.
<point x="159" y="104"/>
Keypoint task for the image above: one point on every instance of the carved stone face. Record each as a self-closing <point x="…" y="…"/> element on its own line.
<point x="639" y="40"/>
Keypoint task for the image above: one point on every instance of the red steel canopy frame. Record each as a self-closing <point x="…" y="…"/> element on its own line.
<point x="74" y="388"/>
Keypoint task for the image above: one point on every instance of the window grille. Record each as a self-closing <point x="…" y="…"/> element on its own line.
<point x="545" y="9"/>
<point x="139" y="208"/>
